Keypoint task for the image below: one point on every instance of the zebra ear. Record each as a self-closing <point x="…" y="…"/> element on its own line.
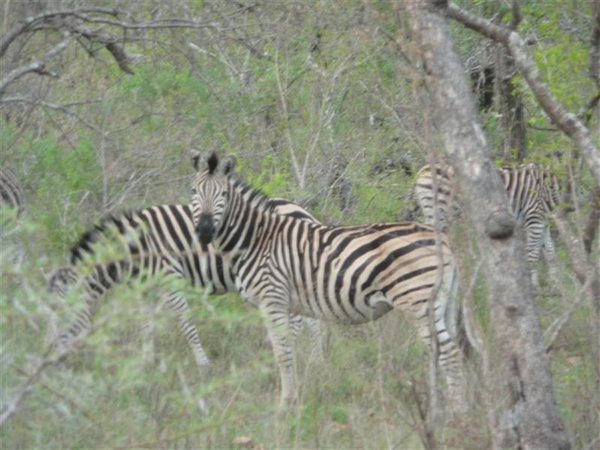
<point x="227" y="164"/>
<point x="205" y="163"/>
<point x="196" y="158"/>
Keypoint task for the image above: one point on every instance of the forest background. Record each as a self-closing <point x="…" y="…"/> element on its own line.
<point x="322" y="102"/>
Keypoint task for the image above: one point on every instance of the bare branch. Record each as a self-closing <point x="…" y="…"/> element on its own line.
<point x="591" y="229"/>
<point x="516" y="15"/>
<point x="110" y="43"/>
<point x="554" y="330"/>
<point x="50" y="358"/>
<point x="566" y="121"/>
<point x="240" y="39"/>
<point x="35" y="66"/>
<point x="595" y="44"/>
<point x="63" y="108"/>
<point x="30" y="23"/>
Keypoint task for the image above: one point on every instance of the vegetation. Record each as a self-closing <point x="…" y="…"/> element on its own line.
<point x="322" y="103"/>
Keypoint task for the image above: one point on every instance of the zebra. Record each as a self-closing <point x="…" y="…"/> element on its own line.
<point x="158" y="240"/>
<point x="13" y="208"/>
<point x="348" y="275"/>
<point x="533" y="193"/>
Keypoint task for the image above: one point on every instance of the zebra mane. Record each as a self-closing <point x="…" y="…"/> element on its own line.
<point x="212" y="162"/>
<point x="84" y="245"/>
<point x="254" y="195"/>
<point x="113" y="222"/>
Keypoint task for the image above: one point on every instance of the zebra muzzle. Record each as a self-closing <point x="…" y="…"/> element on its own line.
<point x="205" y="228"/>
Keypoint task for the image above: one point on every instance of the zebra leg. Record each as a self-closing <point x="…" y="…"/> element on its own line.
<point x="295" y="326"/>
<point x="450" y="357"/>
<point x="18" y="252"/>
<point x="148" y="339"/>
<point x="316" y="338"/>
<point x="277" y="320"/>
<point x="178" y="306"/>
<point x="82" y="322"/>
<point x="534" y="238"/>
<point x="314" y="328"/>
<point x="549" y="251"/>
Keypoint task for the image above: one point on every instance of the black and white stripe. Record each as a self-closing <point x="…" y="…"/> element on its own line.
<point x="153" y="242"/>
<point x="533" y="193"/>
<point x="350" y="275"/>
<point x="13" y="207"/>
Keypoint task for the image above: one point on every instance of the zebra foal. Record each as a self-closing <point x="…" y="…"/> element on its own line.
<point x="532" y="191"/>
<point x="153" y="242"/>
<point x="348" y="275"/>
<point x="13" y="207"/>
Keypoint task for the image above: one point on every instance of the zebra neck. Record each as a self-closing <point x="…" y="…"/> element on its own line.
<point x="244" y="220"/>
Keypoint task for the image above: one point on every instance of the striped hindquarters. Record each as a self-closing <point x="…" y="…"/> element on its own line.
<point x="434" y="202"/>
<point x="11" y="191"/>
<point x="13" y="207"/>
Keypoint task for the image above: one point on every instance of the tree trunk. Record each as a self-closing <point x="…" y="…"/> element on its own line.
<point x="527" y="414"/>
<point x="510" y="107"/>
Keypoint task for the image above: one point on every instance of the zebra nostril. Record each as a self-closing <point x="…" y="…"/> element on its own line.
<point x="205" y="228"/>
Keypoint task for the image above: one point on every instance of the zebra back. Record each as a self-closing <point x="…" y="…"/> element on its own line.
<point x="165" y="231"/>
<point x="530" y="189"/>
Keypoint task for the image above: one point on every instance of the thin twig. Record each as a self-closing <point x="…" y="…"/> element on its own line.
<point x="557" y="326"/>
<point x="37" y="65"/>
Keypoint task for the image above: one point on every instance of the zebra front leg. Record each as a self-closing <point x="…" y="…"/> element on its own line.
<point x="277" y="321"/>
<point x="178" y="306"/>
<point x="66" y="280"/>
<point x="148" y="332"/>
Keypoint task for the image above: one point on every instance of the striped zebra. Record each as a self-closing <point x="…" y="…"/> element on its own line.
<point x="532" y="191"/>
<point x="348" y="275"/>
<point x="153" y="242"/>
<point x="13" y="207"/>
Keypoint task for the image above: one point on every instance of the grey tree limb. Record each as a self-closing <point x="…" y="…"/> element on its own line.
<point x="567" y="122"/>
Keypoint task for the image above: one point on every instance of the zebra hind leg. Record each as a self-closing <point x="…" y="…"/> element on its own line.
<point x="277" y="321"/>
<point x="316" y="338"/>
<point x="450" y="357"/>
<point x="314" y="329"/>
<point x="178" y="306"/>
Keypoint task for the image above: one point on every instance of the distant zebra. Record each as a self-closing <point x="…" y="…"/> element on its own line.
<point x="13" y="207"/>
<point x="533" y="194"/>
<point x="146" y="243"/>
<point x="349" y="275"/>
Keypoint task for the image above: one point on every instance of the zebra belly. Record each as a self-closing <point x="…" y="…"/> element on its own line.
<point x="348" y="311"/>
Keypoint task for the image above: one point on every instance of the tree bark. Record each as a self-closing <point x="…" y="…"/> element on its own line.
<point x="510" y="107"/>
<point x="527" y="414"/>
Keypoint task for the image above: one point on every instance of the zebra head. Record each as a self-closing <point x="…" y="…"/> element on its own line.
<point x="60" y="280"/>
<point x="210" y="194"/>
